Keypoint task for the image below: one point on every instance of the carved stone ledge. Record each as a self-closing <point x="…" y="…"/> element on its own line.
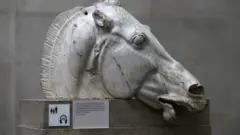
<point x="126" y="117"/>
<point x="197" y="130"/>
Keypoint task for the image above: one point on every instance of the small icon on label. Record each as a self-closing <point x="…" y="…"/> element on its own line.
<point x="54" y="110"/>
<point x="63" y="119"/>
<point x="59" y="115"/>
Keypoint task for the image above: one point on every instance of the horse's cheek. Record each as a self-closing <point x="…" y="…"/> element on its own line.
<point x="113" y="79"/>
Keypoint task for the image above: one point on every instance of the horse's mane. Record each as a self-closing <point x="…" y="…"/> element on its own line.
<point x="54" y="39"/>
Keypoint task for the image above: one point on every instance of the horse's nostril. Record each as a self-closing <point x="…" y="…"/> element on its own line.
<point x="196" y="90"/>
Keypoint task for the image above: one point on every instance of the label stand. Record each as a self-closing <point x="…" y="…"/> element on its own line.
<point x="94" y="117"/>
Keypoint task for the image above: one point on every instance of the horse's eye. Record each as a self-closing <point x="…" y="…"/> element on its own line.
<point x="139" y="39"/>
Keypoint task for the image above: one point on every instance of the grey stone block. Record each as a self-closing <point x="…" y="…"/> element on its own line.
<point x="6" y="73"/>
<point x="195" y="8"/>
<point x="50" y="5"/>
<point x="123" y="113"/>
<point x="31" y="30"/>
<point x="27" y="81"/>
<point x="6" y="5"/>
<point x="5" y="55"/>
<point x="141" y="8"/>
<point x="5" y="104"/>
<point x="56" y="6"/>
<point x="133" y="113"/>
<point x="198" y="130"/>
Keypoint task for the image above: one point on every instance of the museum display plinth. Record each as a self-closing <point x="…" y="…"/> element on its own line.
<point x="126" y="117"/>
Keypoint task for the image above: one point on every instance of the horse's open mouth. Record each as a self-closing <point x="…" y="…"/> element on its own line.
<point x="181" y="102"/>
<point x="176" y="105"/>
<point x="172" y="106"/>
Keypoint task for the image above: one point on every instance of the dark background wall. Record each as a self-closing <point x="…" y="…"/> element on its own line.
<point x="203" y="35"/>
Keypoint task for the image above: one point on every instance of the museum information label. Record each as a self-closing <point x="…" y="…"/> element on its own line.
<point x="89" y="114"/>
<point x="59" y="115"/>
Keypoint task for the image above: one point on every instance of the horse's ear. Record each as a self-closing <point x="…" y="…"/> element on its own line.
<point x="102" y="20"/>
<point x="112" y="2"/>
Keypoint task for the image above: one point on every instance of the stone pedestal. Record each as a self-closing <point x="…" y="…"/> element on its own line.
<point x="126" y="117"/>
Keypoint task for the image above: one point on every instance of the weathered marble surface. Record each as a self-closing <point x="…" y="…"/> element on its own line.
<point x="103" y="52"/>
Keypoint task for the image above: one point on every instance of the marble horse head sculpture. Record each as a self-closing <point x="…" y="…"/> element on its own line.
<point x="103" y="52"/>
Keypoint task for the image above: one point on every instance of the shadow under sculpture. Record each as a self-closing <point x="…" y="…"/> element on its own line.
<point x="103" y="52"/>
